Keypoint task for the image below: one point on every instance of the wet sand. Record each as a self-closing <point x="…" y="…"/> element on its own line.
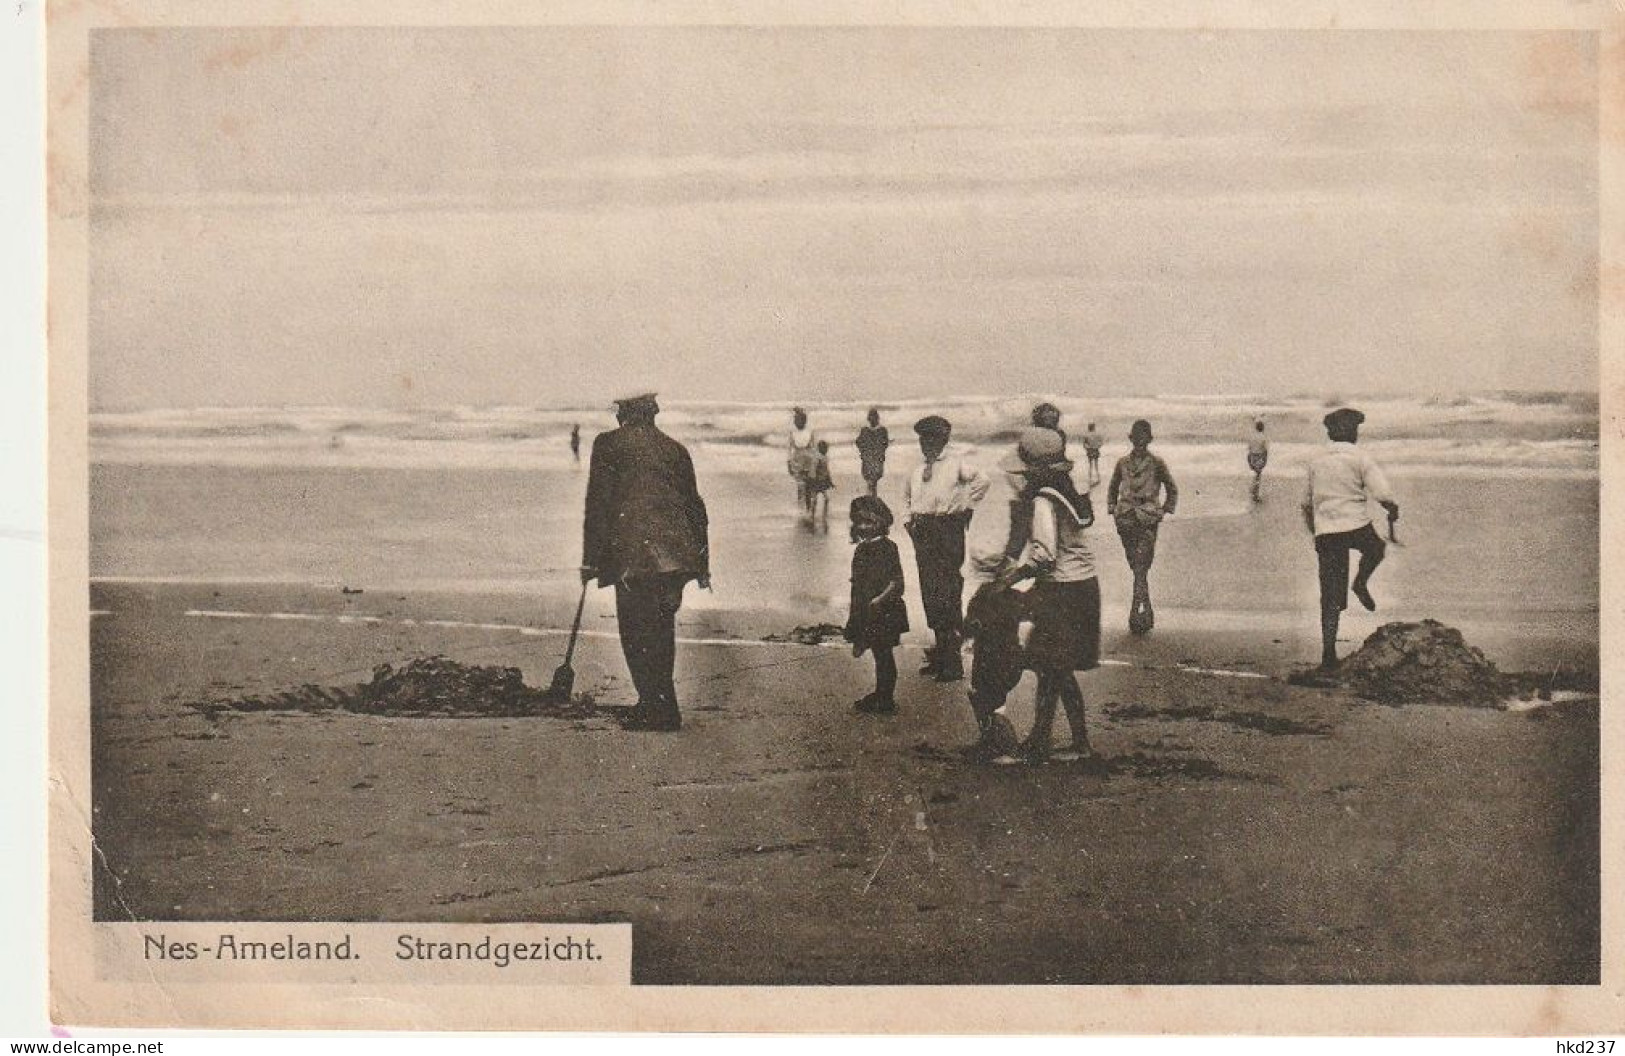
<point x="1238" y="829"/>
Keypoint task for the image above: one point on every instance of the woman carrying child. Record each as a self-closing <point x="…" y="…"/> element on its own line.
<point x="878" y="617"/>
<point x="1064" y="604"/>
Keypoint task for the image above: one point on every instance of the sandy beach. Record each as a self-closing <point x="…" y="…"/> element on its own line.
<point x="1235" y="829"/>
<point x="1238" y="830"/>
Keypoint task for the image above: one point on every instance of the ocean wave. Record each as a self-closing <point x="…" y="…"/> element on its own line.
<point x="1518" y="432"/>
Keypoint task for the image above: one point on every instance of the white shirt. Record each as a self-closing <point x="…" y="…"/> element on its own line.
<point x="956" y="485"/>
<point x="1058" y="547"/>
<point x="1342" y="484"/>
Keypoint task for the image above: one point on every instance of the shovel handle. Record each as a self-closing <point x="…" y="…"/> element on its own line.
<point x="575" y="628"/>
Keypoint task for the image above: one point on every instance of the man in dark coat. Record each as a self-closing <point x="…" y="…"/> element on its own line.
<point x="645" y="534"/>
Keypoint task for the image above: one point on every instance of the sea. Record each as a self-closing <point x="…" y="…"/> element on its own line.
<point x="1499" y="532"/>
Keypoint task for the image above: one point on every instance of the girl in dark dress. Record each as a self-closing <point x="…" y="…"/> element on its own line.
<point x="878" y="617"/>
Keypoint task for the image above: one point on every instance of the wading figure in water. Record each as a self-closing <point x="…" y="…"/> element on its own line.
<point x="872" y="443"/>
<point x="1091" y="447"/>
<point x="1141" y="494"/>
<point x="820" y="483"/>
<point x="1342" y="484"/>
<point x="803" y="458"/>
<point x="1258" y="456"/>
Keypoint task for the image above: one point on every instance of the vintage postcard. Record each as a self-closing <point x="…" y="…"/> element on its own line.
<point x="835" y="517"/>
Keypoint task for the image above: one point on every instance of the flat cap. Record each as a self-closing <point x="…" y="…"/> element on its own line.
<point x="934" y="425"/>
<point x="641" y="403"/>
<point x="1343" y="417"/>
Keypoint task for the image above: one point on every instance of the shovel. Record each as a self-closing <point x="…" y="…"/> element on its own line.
<point x="564" y="679"/>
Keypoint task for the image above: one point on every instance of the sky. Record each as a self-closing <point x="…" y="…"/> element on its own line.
<point x="557" y="215"/>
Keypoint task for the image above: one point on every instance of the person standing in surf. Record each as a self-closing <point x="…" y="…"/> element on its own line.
<point x="575" y="442"/>
<point x="941" y="495"/>
<point x="1342" y="484"/>
<point x="820" y="483"/>
<point x="872" y="443"/>
<point x="1141" y="494"/>
<point x="1091" y="448"/>
<point x="1258" y="456"/>
<point x="802" y="457"/>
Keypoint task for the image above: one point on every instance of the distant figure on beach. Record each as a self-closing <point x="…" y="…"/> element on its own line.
<point x="1048" y="416"/>
<point x="1091" y="447"/>
<point x="645" y="533"/>
<point x="803" y="453"/>
<point x="941" y="495"/>
<point x="1064" y="604"/>
<point x="1258" y="455"/>
<point x="1141" y="494"/>
<point x="872" y="443"/>
<point x="1342" y="484"/>
<point x="575" y="442"/>
<point x="820" y="483"/>
<point x="878" y="617"/>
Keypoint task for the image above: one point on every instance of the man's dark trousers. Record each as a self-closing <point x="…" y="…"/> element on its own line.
<point x="646" y="609"/>
<point x="1332" y="552"/>
<point x="939" y="553"/>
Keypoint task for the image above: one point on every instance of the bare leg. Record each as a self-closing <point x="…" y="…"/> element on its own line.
<point x="1036" y="747"/>
<point x="885" y="675"/>
<point x="1072" y="701"/>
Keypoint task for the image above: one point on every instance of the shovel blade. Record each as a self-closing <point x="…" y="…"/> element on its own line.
<point x="564" y="681"/>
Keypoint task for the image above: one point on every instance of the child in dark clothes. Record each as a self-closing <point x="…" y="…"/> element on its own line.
<point x="878" y="617"/>
<point x="993" y="625"/>
<point x="820" y="484"/>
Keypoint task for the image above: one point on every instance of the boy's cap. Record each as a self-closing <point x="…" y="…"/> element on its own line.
<point x="1343" y="417"/>
<point x="934" y="426"/>
<point x="1141" y="428"/>
<point x="1037" y="449"/>
<point x="871" y="507"/>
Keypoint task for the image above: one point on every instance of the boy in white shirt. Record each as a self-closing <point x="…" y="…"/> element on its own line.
<point x="1342" y="484"/>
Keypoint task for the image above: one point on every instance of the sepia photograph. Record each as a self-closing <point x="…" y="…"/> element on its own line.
<point x="859" y="504"/>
